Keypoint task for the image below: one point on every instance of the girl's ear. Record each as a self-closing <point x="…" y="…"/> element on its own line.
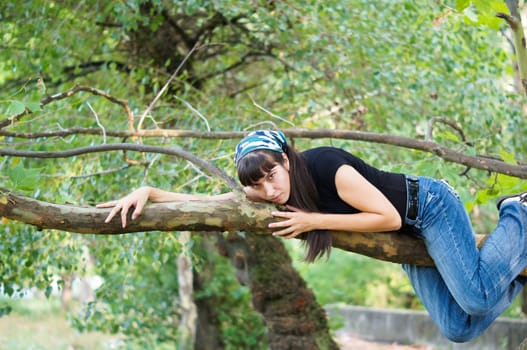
<point x="286" y="161"/>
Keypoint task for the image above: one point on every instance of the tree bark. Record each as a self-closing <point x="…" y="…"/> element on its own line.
<point x="295" y="321"/>
<point x="514" y="21"/>
<point x="189" y="315"/>
<point x="211" y="216"/>
<point x="519" y="48"/>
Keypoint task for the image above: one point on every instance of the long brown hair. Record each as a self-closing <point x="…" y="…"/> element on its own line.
<point x="304" y="194"/>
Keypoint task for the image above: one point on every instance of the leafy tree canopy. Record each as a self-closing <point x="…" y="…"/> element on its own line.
<point x="391" y="67"/>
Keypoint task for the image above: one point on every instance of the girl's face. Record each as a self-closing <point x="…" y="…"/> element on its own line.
<point x="273" y="186"/>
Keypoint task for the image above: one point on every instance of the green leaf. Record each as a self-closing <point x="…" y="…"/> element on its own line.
<point x="16" y="107"/>
<point x="48" y="291"/>
<point x="5" y="310"/>
<point x="33" y="106"/>
<point x="487" y="10"/>
<point x="462" y="4"/>
<point x="23" y="179"/>
<point x="508" y="157"/>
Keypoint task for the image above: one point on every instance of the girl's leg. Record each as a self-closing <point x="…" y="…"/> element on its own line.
<point x="450" y="318"/>
<point x="478" y="282"/>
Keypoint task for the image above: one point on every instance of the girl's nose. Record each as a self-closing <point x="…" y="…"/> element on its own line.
<point x="268" y="188"/>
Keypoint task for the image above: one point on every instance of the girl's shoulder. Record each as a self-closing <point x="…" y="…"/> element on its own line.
<point x="323" y="162"/>
<point x="328" y="153"/>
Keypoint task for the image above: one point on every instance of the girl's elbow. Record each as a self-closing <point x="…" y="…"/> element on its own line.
<point x="395" y="223"/>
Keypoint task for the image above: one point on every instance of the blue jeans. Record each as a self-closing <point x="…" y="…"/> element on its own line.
<point x="468" y="288"/>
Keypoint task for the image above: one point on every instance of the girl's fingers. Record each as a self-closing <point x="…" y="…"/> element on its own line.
<point x="284" y="232"/>
<point x="290" y="207"/>
<point x="110" y="216"/>
<point x="287" y="233"/>
<point x="280" y="233"/>
<point x="123" y="208"/>
<point x="124" y="213"/>
<point x="282" y="223"/>
<point x="281" y="214"/>
<point x="138" y="209"/>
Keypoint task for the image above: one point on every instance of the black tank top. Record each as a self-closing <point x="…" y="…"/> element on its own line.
<point x="323" y="163"/>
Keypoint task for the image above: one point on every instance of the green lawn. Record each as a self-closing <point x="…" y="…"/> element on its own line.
<point x="36" y="324"/>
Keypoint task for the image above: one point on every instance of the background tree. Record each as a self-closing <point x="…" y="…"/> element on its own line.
<point x="391" y="67"/>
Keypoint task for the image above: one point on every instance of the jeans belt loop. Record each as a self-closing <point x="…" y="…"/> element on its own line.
<point x="412" y="182"/>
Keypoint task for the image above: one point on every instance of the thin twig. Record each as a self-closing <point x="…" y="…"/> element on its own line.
<point x="98" y="122"/>
<point x="148" y="166"/>
<point x="163" y="89"/>
<point x="449" y="122"/>
<point x="270" y="113"/>
<point x="79" y="88"/>
<point x="195" y="111"/>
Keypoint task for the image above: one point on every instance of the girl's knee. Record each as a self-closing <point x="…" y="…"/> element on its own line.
<point x="476" y="307"/>
<point x="457" y="333"/>
<point x="460" y="337"/>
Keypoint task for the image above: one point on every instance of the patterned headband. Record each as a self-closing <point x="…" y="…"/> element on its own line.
<point x="261" y="140"/>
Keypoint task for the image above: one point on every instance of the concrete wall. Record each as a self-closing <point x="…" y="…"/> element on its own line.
<point x="415" y="327"/>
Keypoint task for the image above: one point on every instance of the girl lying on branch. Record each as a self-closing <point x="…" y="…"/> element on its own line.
<point x="328" y="189"/>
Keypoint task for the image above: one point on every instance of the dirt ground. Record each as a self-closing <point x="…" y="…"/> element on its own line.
<point x="350" y="342"/>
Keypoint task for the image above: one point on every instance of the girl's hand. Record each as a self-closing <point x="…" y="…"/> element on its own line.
<point x="136" y="199"/>
<point x="295" y="222"/>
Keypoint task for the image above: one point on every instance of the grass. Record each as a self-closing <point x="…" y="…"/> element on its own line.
<point x="41" y="324"/>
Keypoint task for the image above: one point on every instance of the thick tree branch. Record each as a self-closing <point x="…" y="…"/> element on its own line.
<point x="204" y="216"/>
<point x="484" y="163"/>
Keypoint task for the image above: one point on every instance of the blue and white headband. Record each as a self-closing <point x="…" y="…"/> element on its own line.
<point x="261" y="140"/>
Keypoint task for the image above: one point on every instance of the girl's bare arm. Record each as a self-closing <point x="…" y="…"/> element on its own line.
<point x="142" y="195"/>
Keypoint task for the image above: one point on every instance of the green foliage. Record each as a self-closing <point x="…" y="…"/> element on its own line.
<point x="242" y="327"/>
<point x="21" y="179"/>
<point x="356" y="280"/>
<point x="482" y="12"/>
<point x="143" y="277"/>
<point x="385" y="66"/>
<point x="33" y="258"/>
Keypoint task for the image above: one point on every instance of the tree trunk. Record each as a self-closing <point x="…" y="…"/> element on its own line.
<point x="519" y="51"/>
<point x="66" y="294"/>
<point x="208" y="331"/>
<point x="187" y="324"/>
<point x="294" y="318"/>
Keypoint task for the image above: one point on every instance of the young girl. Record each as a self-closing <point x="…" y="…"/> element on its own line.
<point x="328" y="189"/>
